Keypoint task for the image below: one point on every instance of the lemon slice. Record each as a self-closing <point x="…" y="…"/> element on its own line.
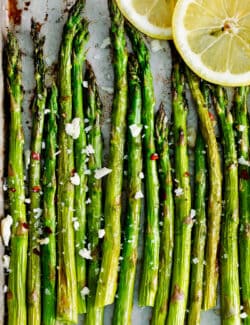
<point x="213" y="38"/>
<point x="152" y="17"/>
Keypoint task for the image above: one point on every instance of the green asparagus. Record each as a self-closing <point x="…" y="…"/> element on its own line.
<point x="229" y="276"/>
<point x="149" y="279"/>
<point x="183" y="212"/>
<point x="78" y="58"/>
<point x="242" y="128"/>
<point x="49" y="213"/>
<point x="199" y="233"/>
<point x="124" y="301"/>
<point x="66" y="284"/>
<point x="94" y="210"/>
<point x="107" y="282"/>
<point x="16" y="295"/>
<point x="167" y="216"/>
<point x="38" y="108"/>
<point x="214" y="195"/>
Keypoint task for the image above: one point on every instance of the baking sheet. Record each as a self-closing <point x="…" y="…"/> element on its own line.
<point x="52" y="15"/>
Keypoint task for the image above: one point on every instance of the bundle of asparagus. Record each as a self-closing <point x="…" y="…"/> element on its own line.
<point x="68" y="270"/>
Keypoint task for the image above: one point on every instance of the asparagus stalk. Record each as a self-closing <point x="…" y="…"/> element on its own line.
<point x="16" y="296"/>
<point x="38" y="107"/>
<point x="49" y="213"/>
<point x="167" y="213"/>
<point x="229" y="276"/>
<point x="124" y="302"/>
<point x="67" y="284"/>
<point x="184" y="215"/>
<point x="242" y="128"/>
<point x="149" y="278"/>
<point x="199" y="233"/>
<point x="94" y="211"/>
<point x="107" y="282"/>
<point x="78" y="58"/>
<point x="215" y="194"/>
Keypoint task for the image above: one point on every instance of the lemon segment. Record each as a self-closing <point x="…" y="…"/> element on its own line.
<point x="152" y="17"/>
<point x="213" y="38"/>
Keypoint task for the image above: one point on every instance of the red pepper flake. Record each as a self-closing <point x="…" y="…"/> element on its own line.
<point x="36" y="251"/>
<point x="163" y="196"/>
<point x="13" y="190"/>
<point x="35" y="155"/>
<point x="187" y="174"/>
<point x="48" y="230"/>
<point x="154" y="156"/>
<point x="178" y="294"/>
<point x="36" y="188"/>
<point x="9" y="295"/>
<point x="244" y="174"/>
<point x="211" y="116"/>
<point x="73" y="171"/>
<point x="25" y="225"/>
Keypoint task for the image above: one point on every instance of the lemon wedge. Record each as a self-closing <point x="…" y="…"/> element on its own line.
<point x="213" y="38"/>
<point x="152" y="17"/>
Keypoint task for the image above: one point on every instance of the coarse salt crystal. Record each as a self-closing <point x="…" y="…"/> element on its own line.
<point x="192" y="213"/>
<point x="85" y="253"/>
<point x="101" y="233"/>
<point x="195" y="260"/>
<point x="241" y="128"/>
<point x="139" y="195"/>
<point x="243" y="315"/>
<point x="243" y="161"/>
<point x="27" y="200"/>
<point x="27" y="158"/>
<point x="37" y="213"/>
<point x="6" y="224"/>
<point x="88" y="201"/>
<point x="73" y="128"/>
<point x="75" y="180"/>
<point x="76" y="225"/>
<point x="88" y="128"/>
<point x="141" y="175"/>
<point x="43" y="241"/>
<point x="135" y="130"/>
<point x="46" y="111"/>
<point x="89" y="150"/>
<point x="5" y="288"/>
<point x="99" y="173"/>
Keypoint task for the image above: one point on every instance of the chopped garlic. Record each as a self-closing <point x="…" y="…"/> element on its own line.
<point x="6" y="224"/>
<point x="135" y="130"/>
<point x="84" y="292"/>
<point x="241" y="128"/>
<point x="6" y="261"/>
<point x="243" y="315"/>
<point x="89" y="150"/>
<point x="243" y="161"/>
<point x="179" y="191"/>
<point x="85" y="253"/>
<point x="75" y="180"/>
<point x="99" y="173"/>
<point x="85" y="84"/>
<point x="43" y="241"/>
<point x="73" y="128"/>
<point x="139" y="195"/>
<point x="141" y="175"/>
<point x="37" y="213"/>
<point x="88" y="128"/>
<point x="101" y="233"/>
<point x="106" y="42"/>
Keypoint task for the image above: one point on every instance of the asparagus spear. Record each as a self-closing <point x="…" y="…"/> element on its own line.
<point x="199" y="233"/>
<point x="242" y="127"/>
<point x="167" y="213"/>
<point x="78" y="58"/>
<point x="49" y="213"/>
<point x="38" y="107"/>
<point x="184" y="215"/>
<point x="107" y="282"/>
<point x="67" y="285"/>
<point x="215" y="193"/>
<point x="229" y="276"/>
<point x="16" y="296"/>
<point x="149" y="279"/>
<point x="94" y="211"/>
<point x="124" y="302"/>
